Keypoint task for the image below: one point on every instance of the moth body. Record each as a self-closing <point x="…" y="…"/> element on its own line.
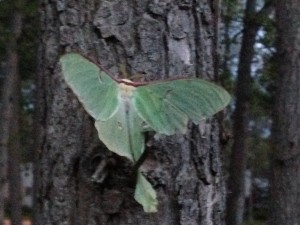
<point x="126" y="90"/>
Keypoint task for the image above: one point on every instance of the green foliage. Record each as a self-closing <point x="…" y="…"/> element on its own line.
<point x="27" y="43"/>
<point x="5" y="9"/>
<point x="124" y="111"/>
<point x="259" y="154"/>
<point x="261" y="101"/>
<point x="27" y="46"/>
<point x="231" y="10"/>
<point x="227" y="81"/>
<point x="268" y="40"/>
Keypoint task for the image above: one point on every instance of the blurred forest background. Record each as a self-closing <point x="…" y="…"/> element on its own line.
<point x="248" y="68"/>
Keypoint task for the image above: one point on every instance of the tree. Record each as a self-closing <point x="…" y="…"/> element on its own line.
<point x="157" y="40"/>
<point x="10" y="136"/>
<point x="286" y="161"/>
<point x="238" y="159"/>
<point x="236" y="183"/>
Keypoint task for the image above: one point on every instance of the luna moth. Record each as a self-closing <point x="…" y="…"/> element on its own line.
<point x="124" y="110"/>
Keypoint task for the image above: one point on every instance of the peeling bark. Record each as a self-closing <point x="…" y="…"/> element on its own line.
<point x="156" y="39"/>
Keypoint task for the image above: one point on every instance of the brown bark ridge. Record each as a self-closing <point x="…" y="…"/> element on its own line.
<point x="10" y="137"/>
<point x="156" y="39"/>
<point x="285" y="192"/>
<point x="238" y="158"/>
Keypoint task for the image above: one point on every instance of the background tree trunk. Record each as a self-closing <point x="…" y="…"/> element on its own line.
<point x="238" y="159"/>
<point x="4" y="137"/>
<point x="10" y="137"/>
<point x="286" y="160"/>
<point x="158" y="39"/>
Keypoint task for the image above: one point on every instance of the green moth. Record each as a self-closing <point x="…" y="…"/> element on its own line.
<point x="124" y="110"/>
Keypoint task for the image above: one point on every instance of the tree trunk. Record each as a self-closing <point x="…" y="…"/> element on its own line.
<point x="10" y="137"/>
<point x="14" y="150"/>
<point x="4" y="137"/>
<point x="285" y="193"/>
<point x="238" y="160"/>
<point x="156" y="39"/>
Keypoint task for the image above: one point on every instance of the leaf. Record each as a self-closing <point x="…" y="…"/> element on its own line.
<point x="122" y="109"/>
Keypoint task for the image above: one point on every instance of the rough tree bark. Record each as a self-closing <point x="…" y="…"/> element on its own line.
<point x="156" y="39"/>
<point x="285" y="192"/>
<point x="10" y="137"/>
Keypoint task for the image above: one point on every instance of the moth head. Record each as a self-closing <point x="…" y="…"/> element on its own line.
<point x="126" y="90"/>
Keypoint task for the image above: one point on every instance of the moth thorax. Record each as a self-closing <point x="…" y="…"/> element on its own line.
<point x="126" y="90"/>
<point x="127" y="81"/>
